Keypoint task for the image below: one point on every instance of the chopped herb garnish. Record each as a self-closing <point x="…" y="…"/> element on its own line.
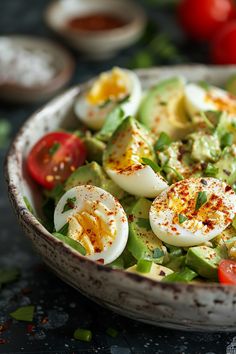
<point x="105" y="103"/>
<point x="113" y="120"/>
<point x="211" y="170"/>
<point x="5" y="130"/>
<point x="158" y="253"/>
<point x="9" y="275"/>
<point x="144" y="223"/>
<point x="112" y="332"/>
<point x="203" y="84"/>
<point x="64" y="230"/>
<point x="206" y="120"/>
<point x="234" y="187"/>
<point x="70" y="204"/>
<point x="163" y="141"/>
<point x="180" y="177"/>
<point x="82" y="334"/>
<point x="201" y="200"/>
<point x="124" y="99"/>
<point x="182" y="218"/>
<point x="144" y="266"/>
<point x="226" y="140"/>
<point x="25" y="313"/>
<point x="76" y="245"/>
<point x="156" y="168"/>
<point x="53" y="149"/>
<point x="28" y="205"/>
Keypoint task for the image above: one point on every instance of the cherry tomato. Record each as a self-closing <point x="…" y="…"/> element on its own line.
<point x="54" y="157"/>
<point x="223" y="49"/>
<point x="201" y="18"/>
<point x="227" y="272"/>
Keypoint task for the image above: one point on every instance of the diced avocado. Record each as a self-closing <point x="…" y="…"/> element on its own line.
<point x="95" y="149"/>
<point x="230" y="85"/>
<point x="231" y="247"/>
<point x="157" y="272"/>
<point x="226" y="124"/>
<point x="163" y="109"/>
<point x="204" y="147"/>
<point x="113" y="120"/>
<point x="226" y="165"/>
<point x="125" y="260"/>
<point x="185" y="275"/>
<point x="176" y="156"/>
<point x="176" y="263"/>
<point x="225" y="235"/>
<point x="128" y="202"/>
<point x="93" y="174"/>
<point x="204" y="260"/>
<point x="142" y="242"/>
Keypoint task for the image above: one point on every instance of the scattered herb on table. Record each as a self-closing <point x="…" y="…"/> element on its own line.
<point x="25" y="313"/>
<point x="82" y="334"/>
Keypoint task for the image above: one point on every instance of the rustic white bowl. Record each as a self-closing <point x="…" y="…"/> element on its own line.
<point x="97" y="44"/>
<point x="201" y="307"/>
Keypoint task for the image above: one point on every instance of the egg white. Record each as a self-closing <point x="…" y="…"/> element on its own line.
<point x="102" y="201"/>
<point x="94" y="116"/>
<point x="191" y="232"/>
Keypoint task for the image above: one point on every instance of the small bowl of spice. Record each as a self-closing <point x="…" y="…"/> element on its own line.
<point x="32" y="69"/>
<point x="98" y="28"/>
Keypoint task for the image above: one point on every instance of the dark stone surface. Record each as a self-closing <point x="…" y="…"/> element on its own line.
<point x="59" y="308"/>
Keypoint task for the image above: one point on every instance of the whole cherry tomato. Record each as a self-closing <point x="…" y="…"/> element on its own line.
<point x="223" y="47"/>
<point x="227" y="272"/>
<point x="201" y="18"/>
<point x="54" y="157"/>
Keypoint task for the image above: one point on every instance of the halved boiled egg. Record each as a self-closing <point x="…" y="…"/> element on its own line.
<point x="123" y="160"/>
<point x="193" y="211"/>
<point x="95" y="219"/>
<point x="199" y="99"/>
<point x="118" y="86"/>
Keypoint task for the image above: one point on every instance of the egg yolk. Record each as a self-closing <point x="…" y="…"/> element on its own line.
<point x="110" y="86"/>
<point x="93" y="227"/>
<point x="223" y="103"/>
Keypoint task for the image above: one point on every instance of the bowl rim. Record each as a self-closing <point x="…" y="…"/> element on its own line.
<point x="133" y="25"/>
<point x="62" y="76"/>
<point x="20" y="208"/>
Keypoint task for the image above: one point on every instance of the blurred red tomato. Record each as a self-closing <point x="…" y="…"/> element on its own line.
<point x="223" y="47"/>
<point x="201" y="18"/>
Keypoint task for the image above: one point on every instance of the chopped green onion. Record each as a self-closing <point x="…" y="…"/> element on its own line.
<point x="211" y="170"/>
<point x="28" y="205"/>
<point x="53" y="149"/>
<point x="201" y="200"/>
<point x="82" y="334"/>
<point x="64" y="230"/>
<point x="163" y="141"/>
<point x="25" y="313"/>
<point x="105" y="103"/>
<point x="9" y="275"/>
<point x="226" y="140"/>
<point x="158" y="253"/>
<point x="152" y="164"/>
<point x="182" y="218"/>
<point x="70" y="242"/>
<point x="206" y="120"/>
<point x="125" y="99"/>
<point x="70" y="204"/>
<point x="178" y="175"/>
<point x="144" y="223"/>
<point x="144" y="266"/>
<point x="112" y="332"/>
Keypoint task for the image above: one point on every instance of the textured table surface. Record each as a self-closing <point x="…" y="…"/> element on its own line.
<point x="63" y="308"/>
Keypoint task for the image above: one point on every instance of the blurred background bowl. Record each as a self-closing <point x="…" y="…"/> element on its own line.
<point x="98" y="44"/>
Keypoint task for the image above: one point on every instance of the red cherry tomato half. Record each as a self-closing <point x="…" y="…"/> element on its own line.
<point x="201" y="18"/>
<point x="54" y="157"/>
<point x="227" y="272"/>
<point x="223" y="48"/>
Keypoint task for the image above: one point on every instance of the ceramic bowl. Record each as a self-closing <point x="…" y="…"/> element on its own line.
<point x="100" y="44"/>
<point x="63" y="62"/>
<point x="201" y="307"/>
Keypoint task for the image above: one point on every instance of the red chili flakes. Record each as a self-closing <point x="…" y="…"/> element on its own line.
<point x="227" y="188"/>
<point x="101" y="260"/>
<point x="130" y="218"/>
<point x="26" y="291"/>
<point x="30" y="328"/>
<point x="3" y="341"/>
<point x="44" y="320"/>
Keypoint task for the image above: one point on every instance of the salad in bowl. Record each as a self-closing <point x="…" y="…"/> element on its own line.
<point x="146" y="180"/>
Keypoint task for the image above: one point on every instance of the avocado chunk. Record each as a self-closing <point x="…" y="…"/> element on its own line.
<point x="204" y="147"/>
<point x="95" y="149"/>
<point x="163" y="109"/>
<point x="125" y="260"/>
<point x="225" y="167"/>
<point x="142" y="242"/>
<point x="93" y="174"/>
<point x="157" y="271"/>
<point x="185" y="275"/>
<point x="204" y="260"/>
<point x="176" y="263"/>
<point x="225" y="236"/>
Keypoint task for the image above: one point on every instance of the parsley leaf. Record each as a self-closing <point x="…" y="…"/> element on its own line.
<point x="25" y="313"/>
<point x="226" y="140"/>
<point x="53" y="149"/>
<point x="201" y="200"/>
<point x="70" y="204"/>
<point x="211" y="170"/>
<point x="9" y="275"/>
<point x="182" y="218"/>
<point x="163" y="141"/>
<point x="156" y="168"/>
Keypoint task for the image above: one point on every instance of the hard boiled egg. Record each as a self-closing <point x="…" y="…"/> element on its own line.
<point x="123" y="160"/>
<point x="199" y="99"/>
<point x="193" y="211"/>
<point x="118" y="86"/>
<point x="96" y="220"/>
